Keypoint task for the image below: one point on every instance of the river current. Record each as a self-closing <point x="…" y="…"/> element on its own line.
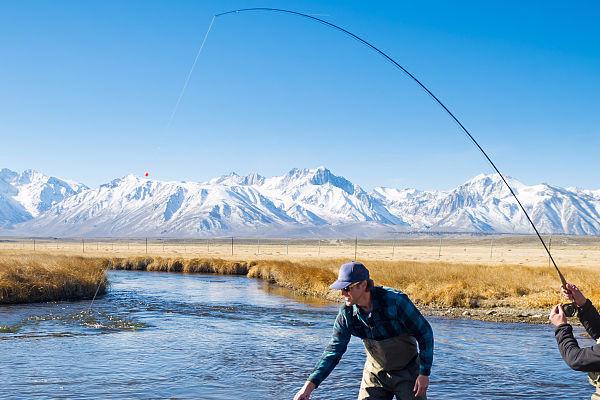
<point x="161" y="335"/>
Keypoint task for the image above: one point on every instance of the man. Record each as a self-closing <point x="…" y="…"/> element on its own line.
<point x="390" y="326"/>
<point x="587" y="359"/>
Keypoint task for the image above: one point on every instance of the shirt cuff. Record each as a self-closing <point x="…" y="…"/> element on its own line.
<point x="314" y="380"/>
<point x="561" y="326"/>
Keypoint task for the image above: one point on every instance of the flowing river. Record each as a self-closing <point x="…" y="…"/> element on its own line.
<point x="161" y="335"/>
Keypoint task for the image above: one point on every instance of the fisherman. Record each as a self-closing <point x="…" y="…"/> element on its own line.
<point x="390" y="326"/>
<point x="586" y="359"/>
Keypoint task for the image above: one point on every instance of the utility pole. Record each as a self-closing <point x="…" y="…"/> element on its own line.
<point x="491" y="248"/>
<point x="287" y="247"/>
<point x="319" y="253"/>
<point x="33" y="244"/>
<point x="440" y="249"/>
<point x="83" y="245"/>
<point x="258" y="250"/>
<point x="393" y="247"/>
<point x="146" y="245"/>
<point x="232" y="245"/>
<point x="355" y="246"/>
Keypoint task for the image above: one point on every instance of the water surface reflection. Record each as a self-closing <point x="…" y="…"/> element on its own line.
<point x="159" y="335"/>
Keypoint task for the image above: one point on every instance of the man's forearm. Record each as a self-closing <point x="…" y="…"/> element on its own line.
<point x="579" y="359"/>
<point x="325" y="365"/>
<point x="332" y="354"/>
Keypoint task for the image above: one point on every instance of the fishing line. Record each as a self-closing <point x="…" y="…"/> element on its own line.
<point x="189" y="75"/>
<point x="95" y="294"/>
<point x="404" y="70"/>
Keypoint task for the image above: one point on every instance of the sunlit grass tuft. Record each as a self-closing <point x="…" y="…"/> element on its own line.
<point x="39" y="278"/>
<point x="185" y="265"/>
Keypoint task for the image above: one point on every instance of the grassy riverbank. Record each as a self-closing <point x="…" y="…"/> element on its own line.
<point x="493" y="292"/>
<point x="40" y="278"/>
<point x="439" y="284"/>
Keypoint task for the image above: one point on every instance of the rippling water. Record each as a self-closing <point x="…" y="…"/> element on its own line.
<point x="160" y="335"/>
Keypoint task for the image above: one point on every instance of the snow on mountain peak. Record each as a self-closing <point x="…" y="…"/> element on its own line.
<point x="301" y="201"/>
<point x="233" y="179"/>
<point x="482" y="180"/>
<point x="35" y="192"/>
<point x="298" y="178"/>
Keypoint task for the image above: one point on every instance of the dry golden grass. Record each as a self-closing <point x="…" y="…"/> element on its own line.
<point x="439" y="284"/>
<point x="185" y="265"/>
<point x="25" y="278"/>
<point x="466" y="285"/>
<point x="305" y="279"/>
<point x="42" y="277"/>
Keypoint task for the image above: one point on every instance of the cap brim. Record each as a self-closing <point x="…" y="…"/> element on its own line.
<point x="339" y="285"/>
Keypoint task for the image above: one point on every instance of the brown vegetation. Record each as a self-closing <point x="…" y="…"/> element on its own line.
<point x="185" y="265"/>
<point x="39" y="278"/>
<point x="28" y="278"/>
<point x="439" y="284"/>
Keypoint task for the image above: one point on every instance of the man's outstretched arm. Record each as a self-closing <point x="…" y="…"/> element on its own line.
<point x="330" y="358"/>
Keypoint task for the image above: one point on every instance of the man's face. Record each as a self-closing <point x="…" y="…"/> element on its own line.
<point x="353" y="292"/>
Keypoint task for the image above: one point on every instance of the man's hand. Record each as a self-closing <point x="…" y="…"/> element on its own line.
<point x="421" y="385"/>
<point x="573" y="293"/>
<point x="304" y="393"/>
<point x="557" y="316"/>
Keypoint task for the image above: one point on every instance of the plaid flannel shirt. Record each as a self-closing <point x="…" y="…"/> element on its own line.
<point x="393" y="314"/>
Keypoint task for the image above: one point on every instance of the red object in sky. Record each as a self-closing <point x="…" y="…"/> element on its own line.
<point x="146" y="174"/>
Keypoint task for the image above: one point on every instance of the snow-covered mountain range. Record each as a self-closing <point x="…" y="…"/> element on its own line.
<point x="27" y="195"/>
<point x="303" y="202"/>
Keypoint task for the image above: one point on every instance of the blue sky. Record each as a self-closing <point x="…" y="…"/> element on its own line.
<point x="87" y="89"/>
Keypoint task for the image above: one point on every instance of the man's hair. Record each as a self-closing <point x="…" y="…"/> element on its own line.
<point x="370" y="284"/>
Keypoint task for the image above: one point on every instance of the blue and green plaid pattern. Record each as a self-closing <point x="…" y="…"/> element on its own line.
<point x="393" y="314"/>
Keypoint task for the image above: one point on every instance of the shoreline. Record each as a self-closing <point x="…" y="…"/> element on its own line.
<point x="496" y="314"/>
<point x="485" y="314"/>
<point x="271" y="275"/>
<point x="443" y="290"/>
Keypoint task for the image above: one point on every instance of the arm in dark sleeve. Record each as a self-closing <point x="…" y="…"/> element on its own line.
<point x="334" y="351"/>
<point x="586" y="359"/>
<point x="589" y="317"/>
<point x="418" y="326"/>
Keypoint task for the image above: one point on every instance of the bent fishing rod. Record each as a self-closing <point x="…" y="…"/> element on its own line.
<point x="406" y="72"/>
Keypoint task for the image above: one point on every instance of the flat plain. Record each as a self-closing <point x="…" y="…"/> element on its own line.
<point x="567" y="251"/>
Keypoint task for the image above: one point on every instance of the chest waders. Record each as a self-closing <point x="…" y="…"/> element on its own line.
<point x="594" y="378"/>
<point x="391" y="368"/>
